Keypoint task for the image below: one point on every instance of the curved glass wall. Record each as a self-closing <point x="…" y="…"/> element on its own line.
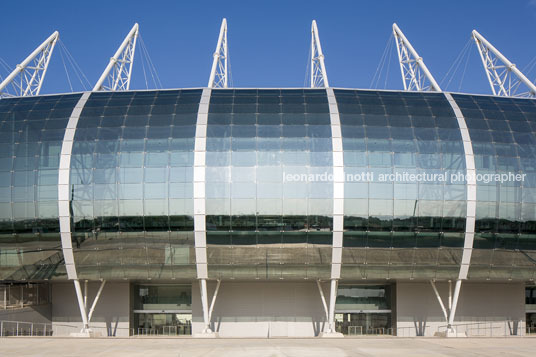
<point x="31" y="134"/>
<point x="398" y="227"/>
<point x="131" y="185"/>
<point x="503" y="131"/>
<point x="265" y="219"/>
<point x="269" y="193"/>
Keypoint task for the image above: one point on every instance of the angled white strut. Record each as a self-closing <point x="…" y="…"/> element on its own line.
<point x="27" y="78"/>
<point x="218" y="75"/>
<point x="116" y="75"/>
<point x="503" y="76"/>
<point x="319" y="76"/>
<point x="415" y="74"/>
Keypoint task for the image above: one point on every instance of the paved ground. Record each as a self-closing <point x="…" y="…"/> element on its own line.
<point x="429" y="347"/>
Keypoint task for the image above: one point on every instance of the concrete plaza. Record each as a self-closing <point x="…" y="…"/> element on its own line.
<point x="36" y="346"/>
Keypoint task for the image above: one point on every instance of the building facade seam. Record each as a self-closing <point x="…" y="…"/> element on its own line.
<point x="64" y="201"/>
<point x="338" y="185"/>
<point x="471" y="189"/>
<point x="200" y="231"/>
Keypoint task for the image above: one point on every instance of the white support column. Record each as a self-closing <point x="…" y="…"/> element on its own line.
<point x="332" y="300"/>
<point x="457" y="289"/>
<point x="31" y="72"/>
<point x="204" y="303"/>
<point x="200" y="231"/>
<point x="470" y="221"/>
<point x="415" y="74"/>
<point x="440" y="301"/>
<point x="117" y="74"/>
<point x="85" y="294"/>
<point x="97" y="297"/>
<point x="81" y="305"/>
<point x="338" y="208"/>
<point x="322" y="296"/>
<point x="319" y="76"/>
<point x="450" y="295"/>
<point x="219" y="75"/>
<point x="214" y="300"/>
<point x="64" y="207"/>
<point x="503" y="76"/>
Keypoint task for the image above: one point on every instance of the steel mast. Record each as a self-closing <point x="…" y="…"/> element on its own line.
<point x="32" y="70"/>
<point x="218" y="75"/>
<point x="319" y="76"/>
<point x="503" y="76"/>
<point x="116" y="76"/>
<point x="415" y="74"/>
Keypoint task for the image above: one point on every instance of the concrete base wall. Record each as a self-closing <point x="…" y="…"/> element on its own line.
<point x="111" y="315"/>
<point x="497" y="308"/>
<point x="262" y="309"/>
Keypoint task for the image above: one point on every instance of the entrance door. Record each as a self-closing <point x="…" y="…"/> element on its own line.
<point x="363" y="323"/>
<point x="169" y="324"/>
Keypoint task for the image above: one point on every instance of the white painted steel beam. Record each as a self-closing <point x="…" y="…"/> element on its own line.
<point x="319" y="76"/>
<point x="200" y="230"/>
<point x="471" y="187"/>
<point x="64" y="187"/>
<point x="219" y="75"/>
<point x="338" y="204"/>
<point x="503" y="76"/>
<point x="323" y="297"/>
<point x="332" y="299"/>
<point x="95" y="301"/>
<point x="415" y="74"/>
<point x="27" y="78"/>
<point x="452" y="314"/>
<point x="81" y="305"/>
<point x="445" y="314"/>
<point x="213" y="302"/>
<point x="204" y="304"/>
<point x="64" y="204"/>
<point x="117" y="74"/>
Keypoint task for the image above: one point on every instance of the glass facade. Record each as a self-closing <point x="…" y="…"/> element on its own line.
<point x="269" y="196"/>
<point x="131" y="185"/>
<point x="503" y="132"/>
<point x="401" y="229"/>
<point x="31" y="135"/>
<point x="258" y="225"/>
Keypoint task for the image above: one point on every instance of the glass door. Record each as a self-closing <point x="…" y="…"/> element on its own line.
<point x="363" y="323"/>
<point x="163" y="324"/>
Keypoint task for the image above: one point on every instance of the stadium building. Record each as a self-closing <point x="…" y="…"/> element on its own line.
<point x="268" y="212"/>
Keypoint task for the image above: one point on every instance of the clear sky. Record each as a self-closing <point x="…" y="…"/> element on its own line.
<point x="269" y="40"/>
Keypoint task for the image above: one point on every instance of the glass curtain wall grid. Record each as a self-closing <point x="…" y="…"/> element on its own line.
<point x="258" y="225"/>
<point x="131" y="193"/>
<point x="131" y="185"/>
<point x="401" y="229"/>
<point x="503" y="131"/>
<point x="31" y="134"/>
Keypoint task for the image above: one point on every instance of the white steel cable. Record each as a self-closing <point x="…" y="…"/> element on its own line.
<point x="456" y="64"/>
<point x="381" y="64"/>
<point x="66" y="71"/>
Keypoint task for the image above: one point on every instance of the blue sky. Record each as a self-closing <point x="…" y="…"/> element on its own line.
<point x="269" y="40"/>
